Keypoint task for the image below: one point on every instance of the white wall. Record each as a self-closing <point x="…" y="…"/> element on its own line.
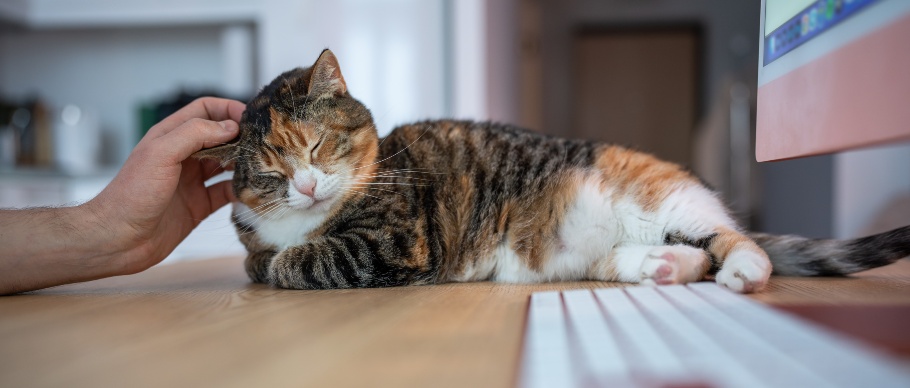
<point x="470" y="83"/>
<point x="109" y="71"/>
<point x="110" y="56"/>
<point x="391" y="52"/>
<point x="871" y="190"/>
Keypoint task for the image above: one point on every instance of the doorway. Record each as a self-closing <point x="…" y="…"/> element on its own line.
<point x="638" y="87"/>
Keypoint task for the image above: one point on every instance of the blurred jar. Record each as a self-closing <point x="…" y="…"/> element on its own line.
<point x="77" y="140"/>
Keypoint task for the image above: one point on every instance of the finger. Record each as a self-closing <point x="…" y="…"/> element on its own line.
<point x="192" y="136"/>
<point x="208" y="108"/>
<point x="220" y="194"/>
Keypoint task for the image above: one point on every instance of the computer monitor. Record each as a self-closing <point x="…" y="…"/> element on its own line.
<point x="833" y="75"/>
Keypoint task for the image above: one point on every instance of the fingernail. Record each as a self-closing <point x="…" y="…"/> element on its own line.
<point x="229" y="125"/>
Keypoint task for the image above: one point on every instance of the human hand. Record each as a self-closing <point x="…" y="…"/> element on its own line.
<point x="159" y="195"/>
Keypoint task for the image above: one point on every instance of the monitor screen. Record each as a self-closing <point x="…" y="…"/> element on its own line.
<point x="832" y="76"/>
<point x="790" y="23"/>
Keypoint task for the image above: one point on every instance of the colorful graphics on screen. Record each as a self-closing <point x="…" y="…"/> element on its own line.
<point x="809" y="23"/>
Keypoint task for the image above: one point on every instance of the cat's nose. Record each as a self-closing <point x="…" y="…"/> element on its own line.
<point x="305" y="186"/>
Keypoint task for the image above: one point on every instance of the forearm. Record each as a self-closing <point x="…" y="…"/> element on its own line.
<point x="46" y="247"/>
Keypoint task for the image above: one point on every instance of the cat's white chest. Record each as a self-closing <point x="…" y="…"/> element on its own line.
<point x="283" y="231"/>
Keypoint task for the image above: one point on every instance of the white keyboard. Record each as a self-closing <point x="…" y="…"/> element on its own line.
<point x="700" y="334"/>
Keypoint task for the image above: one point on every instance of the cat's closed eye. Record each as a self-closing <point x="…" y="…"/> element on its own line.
<point x="269" y="181"/>
<point x="271" y="174"/>
<point x="315" y="148"/>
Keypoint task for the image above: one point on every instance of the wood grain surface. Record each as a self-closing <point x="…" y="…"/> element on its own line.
<point x="203" y="324"/>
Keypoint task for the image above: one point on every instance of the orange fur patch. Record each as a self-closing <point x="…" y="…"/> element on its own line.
<point x="648" y="179"/>
<point x="604" y="269"/>
<point x="530" y="224"/>
<point x="292" y="137"/>
<point x="727" y="241"/>
<point x="534" y="224"/>
<point x="250" y="199"/>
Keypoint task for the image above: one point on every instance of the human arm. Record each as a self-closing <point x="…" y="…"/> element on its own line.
<point x="152" y="204"/>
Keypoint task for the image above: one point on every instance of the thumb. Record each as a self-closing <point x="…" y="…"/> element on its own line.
<point x="194" y="135"/>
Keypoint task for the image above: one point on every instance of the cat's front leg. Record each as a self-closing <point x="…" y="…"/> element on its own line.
<point x="394" y="257"/>
<point x="259" y="257"/>
<point x="323" y="263"/>
<point x="653" y="264"/>
<point x="257" y="265"/>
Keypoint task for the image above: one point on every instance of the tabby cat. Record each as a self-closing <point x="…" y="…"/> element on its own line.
<point x="324" y="203"/>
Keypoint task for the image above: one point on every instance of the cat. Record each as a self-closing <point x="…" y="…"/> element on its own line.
<point x="324" y="203"/>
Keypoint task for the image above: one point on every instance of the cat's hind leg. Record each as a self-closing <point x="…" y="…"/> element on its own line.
<point x="653" y="264"/>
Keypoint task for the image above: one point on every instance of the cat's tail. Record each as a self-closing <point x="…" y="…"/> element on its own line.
<point x="800" y="256"/>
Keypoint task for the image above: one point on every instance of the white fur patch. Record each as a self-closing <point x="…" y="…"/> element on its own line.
<point x="744" y="271"/>
<point x="325" y="193"/>
<point x="479" y="271"/>
<point x="299" y="214"/>
<point x="284" y="228"/>
<point x="598" y="221"/>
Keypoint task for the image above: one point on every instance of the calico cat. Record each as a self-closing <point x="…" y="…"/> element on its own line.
<point x="324" y="203"/>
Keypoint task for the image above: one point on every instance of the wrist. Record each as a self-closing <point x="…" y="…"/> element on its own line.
<point x="107" y="242"/>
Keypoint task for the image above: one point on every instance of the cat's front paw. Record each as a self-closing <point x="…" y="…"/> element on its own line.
<point x="676" y="264"/>
<point x="745" y="271"/>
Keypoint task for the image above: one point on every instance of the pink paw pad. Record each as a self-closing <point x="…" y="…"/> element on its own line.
<point x="663" y="275"/>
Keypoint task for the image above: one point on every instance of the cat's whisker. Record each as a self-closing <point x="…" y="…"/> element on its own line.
<point x="270" y="209"/>
<point x="401" y="177"/>
<point x="362" y="177"/>
<point x="245" y="229"/>
<point x="362" y="193"/>
<point x="393" y="171"/>
<point x="373" y="125"/>
<point x="249" y="218"/>
<point x="279" y="214"/>
<point x="396" y="154"/>
<point x="376" y="188"/>
<point x="267" y="203"/>
<point x="391" y="184"/>
<point x="392" y="175"/>
<point x="265" y="209"/>
<point x="247" y="215"/>
<point x="396" y="175"/>
<point x="272" y="213"/>
<point x="398" y="171"/>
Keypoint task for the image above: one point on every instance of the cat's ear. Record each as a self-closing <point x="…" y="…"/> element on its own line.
<point x="223" y="153"/>
<point x="325" y="76"/>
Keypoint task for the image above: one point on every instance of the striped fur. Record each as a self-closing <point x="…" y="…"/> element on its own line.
<point x="800" y="256"/>
<point x="323" y="203"/>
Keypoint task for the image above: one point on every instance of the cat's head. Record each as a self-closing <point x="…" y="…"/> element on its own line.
<point x="305" y="144"/>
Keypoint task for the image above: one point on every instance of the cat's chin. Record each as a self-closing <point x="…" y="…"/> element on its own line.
<point x="315" y="205"/>
<point x="321" y="205"/>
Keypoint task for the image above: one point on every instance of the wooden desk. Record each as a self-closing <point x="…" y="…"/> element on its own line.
<point x="203" y="324"/>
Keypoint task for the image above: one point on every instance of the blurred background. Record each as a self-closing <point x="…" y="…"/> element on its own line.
<point x="82" y="80"/>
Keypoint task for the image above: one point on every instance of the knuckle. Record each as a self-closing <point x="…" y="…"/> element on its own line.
<point x="197" y="122"/>
<point x="202" y="100"/>
<point x="142" y="151"/>
<point x="199" y="125"/>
